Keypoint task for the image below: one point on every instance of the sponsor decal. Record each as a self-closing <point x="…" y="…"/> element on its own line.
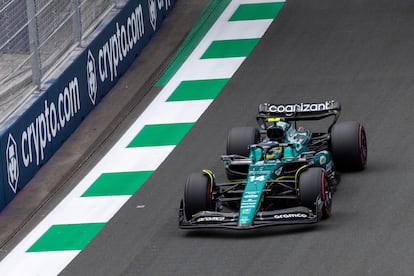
<point x="92" y="77"/>
<point x="291" y="215"/>
<point x="47" y="124"/>
<point x="278" y="172"/>
<point x="245" y="211"/>
<point x="153" y="13"/>
<point x="206" y="219"/>
<point x="120" y="43"/>
<point x="154" y="6"/>
<point x="301" y="107"/>
<point x="250" y="196"/>
<point x="254" y="178"/>
<point x="41" y="131"/>
<point x="261" y="172"/>
<point x="248" y="204"/>
<point x="12" y="163"/>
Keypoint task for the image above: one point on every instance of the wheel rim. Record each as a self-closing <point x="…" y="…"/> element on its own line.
<point x="326" y="197"/>
<point x="363" y="145"/>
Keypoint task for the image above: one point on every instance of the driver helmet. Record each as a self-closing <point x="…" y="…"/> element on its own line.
<point x="274" y="153"/>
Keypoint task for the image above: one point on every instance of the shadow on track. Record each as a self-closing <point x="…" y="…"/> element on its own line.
<point x="254" y="233"/>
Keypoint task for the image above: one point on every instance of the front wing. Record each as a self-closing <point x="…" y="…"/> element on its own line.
<point x="210" y="219"/>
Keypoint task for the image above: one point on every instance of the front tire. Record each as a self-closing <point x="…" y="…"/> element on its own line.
<point x="197" y="194"/>
<point x="348" y="144"/>
<point x="313" y="184"/>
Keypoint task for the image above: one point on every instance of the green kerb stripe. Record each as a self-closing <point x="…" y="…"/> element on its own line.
<point x="257" y="11"/>
<point x="160" y="135"/>
<point x="230" y="48"/>
<point x="118" y="183"/>
<point x="205" y="21"/>
<point x="197" y="90"/>
<point x="66" y="237"/>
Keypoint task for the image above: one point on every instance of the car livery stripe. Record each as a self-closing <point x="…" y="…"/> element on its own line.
<point x="79" y="217"/>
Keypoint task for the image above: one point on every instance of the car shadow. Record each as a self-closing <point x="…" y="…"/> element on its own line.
<point x="280" y="230"/>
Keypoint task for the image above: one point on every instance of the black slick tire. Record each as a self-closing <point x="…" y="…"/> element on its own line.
<point x="238" y="141"/>
<point x="197" y="194"/>
<point x="348" y="145"/>
<point x="313" y="185"/>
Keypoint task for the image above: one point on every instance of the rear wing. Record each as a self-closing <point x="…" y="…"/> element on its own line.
<point x="298" y="111"/>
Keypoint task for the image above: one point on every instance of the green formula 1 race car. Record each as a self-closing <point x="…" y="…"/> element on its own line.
<point x="278" y="173"/>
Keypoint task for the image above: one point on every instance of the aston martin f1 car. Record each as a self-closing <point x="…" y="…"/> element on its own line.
<point x="278" y="173"/>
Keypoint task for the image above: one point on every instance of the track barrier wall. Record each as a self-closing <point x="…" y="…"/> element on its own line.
<point x="36" y="131"/>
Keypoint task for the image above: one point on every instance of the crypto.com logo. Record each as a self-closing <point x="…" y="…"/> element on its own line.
<point x="153" y="13"/>
<point x="12" y="163"/>
<point x="92" y="77"/>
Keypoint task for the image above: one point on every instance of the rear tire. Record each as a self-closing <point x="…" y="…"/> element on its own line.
<point x="238" y="141"/>
<point x="240" y="138"/>
<point x="197" y="194"/>
<point x="348" y="144"/>
<point x="313" y="184"/>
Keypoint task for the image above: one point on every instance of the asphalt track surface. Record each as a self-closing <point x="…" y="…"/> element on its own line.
<point x="357" y="52"/>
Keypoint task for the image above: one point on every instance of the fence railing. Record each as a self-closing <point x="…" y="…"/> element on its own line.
<point x="35" y="35"/>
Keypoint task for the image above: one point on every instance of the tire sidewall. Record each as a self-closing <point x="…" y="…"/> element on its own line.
<point x="240" y="138"/>
<point x="348" y="146"/>
<point x="197" y="194"/>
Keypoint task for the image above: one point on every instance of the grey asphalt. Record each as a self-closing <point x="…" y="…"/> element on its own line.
<point x="357" y="52"/>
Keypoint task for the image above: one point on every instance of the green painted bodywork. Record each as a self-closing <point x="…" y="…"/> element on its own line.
<point x="259" y="174"/>
<point x="262" y="170"/>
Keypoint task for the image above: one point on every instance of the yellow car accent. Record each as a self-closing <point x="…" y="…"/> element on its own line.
<point x="273" y="120"/>
<point x="211" y="177"/>
<point x="297" y="174"/>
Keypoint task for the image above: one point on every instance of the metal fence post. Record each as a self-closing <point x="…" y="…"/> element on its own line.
<point x="77" y="28"/>
<point x="34" y="42"/>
